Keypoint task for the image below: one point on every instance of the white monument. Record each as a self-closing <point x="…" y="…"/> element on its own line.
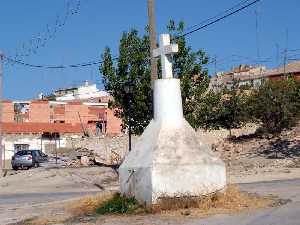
<point x="169" y="159"/>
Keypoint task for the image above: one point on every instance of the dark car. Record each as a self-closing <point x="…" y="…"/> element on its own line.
<point x="28" y="159"/>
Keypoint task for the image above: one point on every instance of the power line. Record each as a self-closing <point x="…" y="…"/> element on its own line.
<point x="91" y="63"/>
<point x="97" y="62"/>
<point x="221" y="18"/>
<point x="218" y="15"/>
<point x="40" y="40"/>
<point x="257" y="34"/>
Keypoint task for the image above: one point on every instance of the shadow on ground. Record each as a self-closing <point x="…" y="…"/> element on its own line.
<point x="281" y="148"/>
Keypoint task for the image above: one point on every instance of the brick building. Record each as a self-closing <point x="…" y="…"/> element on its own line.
<point x="291" y="69"/>
<point x="57" y="120"/>
<point x="248" y="75"/>
<point x="46" y="125"/>
<point x="93" y="118"/>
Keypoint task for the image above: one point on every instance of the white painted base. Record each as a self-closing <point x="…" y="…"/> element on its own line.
<point x="169" y="159"/>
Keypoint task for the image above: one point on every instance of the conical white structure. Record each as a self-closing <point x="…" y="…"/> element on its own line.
<point x="169" y="160"/>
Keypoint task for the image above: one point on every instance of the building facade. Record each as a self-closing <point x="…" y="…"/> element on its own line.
<point x="253" y="76"/>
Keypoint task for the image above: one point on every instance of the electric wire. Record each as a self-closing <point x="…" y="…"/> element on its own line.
<point x="91" y="63"/>
<point x="216" y="16"/>
<point x="97" y="62"/>
<point x="219" y="19"/>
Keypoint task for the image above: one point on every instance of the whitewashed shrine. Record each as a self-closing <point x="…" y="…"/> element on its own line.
<point x="169" y="159"/>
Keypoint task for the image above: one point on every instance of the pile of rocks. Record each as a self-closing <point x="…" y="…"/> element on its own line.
<point x="81" y="157"/>
<point x="251" y="152"/>
<point x="86" y="157"/>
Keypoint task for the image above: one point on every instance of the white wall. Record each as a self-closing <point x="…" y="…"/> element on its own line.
<point x="34" y="142"/>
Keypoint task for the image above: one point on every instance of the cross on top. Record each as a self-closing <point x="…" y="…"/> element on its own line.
<point x="165" y="51"/>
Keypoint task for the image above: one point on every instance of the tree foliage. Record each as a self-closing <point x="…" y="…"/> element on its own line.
<point x="275" y="104"/>
<point x="133" y="66"/>
<point x="188" y="67"/>
<point x="225" y="109"/>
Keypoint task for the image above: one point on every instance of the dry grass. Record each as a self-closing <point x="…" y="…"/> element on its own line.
<point x="230" y="201"/>
<point x="89" y="204"/>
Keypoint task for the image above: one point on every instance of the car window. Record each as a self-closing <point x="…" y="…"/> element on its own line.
<point x="37" y="153"/>
<point x="34" y="153"/>
<point x="20" y="153"/>
<point x="42" y="153"/>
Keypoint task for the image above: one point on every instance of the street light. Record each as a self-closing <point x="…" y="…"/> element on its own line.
<point x="128" y="88"/>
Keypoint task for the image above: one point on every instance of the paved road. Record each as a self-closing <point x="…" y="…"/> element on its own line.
<point x="15" y="207"/>
<point x="11" y="206"/>
<point x="38" y="198"/>
<point x="285" y="215"/>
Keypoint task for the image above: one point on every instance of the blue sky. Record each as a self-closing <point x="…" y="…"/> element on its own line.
<point x="100" y="23"/>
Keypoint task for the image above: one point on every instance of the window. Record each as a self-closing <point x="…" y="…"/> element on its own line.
<point x="21" y="153"/>
<point x="59" y="121"/>
<point x="20" y="147"/>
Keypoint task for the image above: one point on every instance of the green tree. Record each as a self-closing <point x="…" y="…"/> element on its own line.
<point x="226" y="109"/>
<point x="232" y="111"/>
<point x="206" y="113"/>
<point x="276" y="105"/>
<point x="133" y="66"/>
<point x="188" y="67"/>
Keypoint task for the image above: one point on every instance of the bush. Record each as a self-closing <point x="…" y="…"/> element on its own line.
<point x="275" y="104"/>
<point x="119" y="204"/>
<point x="222" y="110"/>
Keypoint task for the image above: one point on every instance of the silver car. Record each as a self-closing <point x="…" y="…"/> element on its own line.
<point x="28" y="159"/>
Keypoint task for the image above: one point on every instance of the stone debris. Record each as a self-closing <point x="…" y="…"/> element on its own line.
<point x="85" y="161"/>
<point x="89" y="157"/>
<point x="254" y="152"/>
<point x="101" y="150"/>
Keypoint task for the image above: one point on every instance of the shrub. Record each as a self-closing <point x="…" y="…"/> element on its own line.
<point x="119" y="204"/>
<point x="275" y="104"/>
<point x="222" y="110"/>
<point x="89" y="204"/>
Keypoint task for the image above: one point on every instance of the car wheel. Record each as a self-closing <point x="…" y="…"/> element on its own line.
<point x="15" y="168"/>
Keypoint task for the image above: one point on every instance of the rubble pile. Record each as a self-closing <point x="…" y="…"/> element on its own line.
<point x="254" y="151"/>
<point x="81" y="157"/>
<point x="88" y="157"/>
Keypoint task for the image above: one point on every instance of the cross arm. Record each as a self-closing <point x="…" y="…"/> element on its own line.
<point x="165" y="50"/>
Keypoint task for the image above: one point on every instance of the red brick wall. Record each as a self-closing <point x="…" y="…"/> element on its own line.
<point x="8" y="111"/>
<point x="113" y="123"/>
<point x="96" y="114"/>
<point x="39" y="112"/>
<point x="58" y="112"/>
<point x="72" y="110"/>
<point x="296" y="76"/>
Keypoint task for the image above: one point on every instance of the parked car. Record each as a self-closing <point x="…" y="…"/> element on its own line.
<point x="28" y="159"/>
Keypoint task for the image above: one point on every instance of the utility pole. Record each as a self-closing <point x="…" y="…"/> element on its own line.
<point x="285" y="53"/>
<point x="152" y="30"/>
<point x="215" y="62"/>
<point x="277" y="54"/>
<point x="1" y="127"/>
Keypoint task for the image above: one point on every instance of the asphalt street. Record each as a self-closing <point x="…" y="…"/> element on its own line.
<point x="288" y="214"/>
<point x="15" y="207"/>
<point x="11" y="205"/>
<point x="38" y="198"/>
